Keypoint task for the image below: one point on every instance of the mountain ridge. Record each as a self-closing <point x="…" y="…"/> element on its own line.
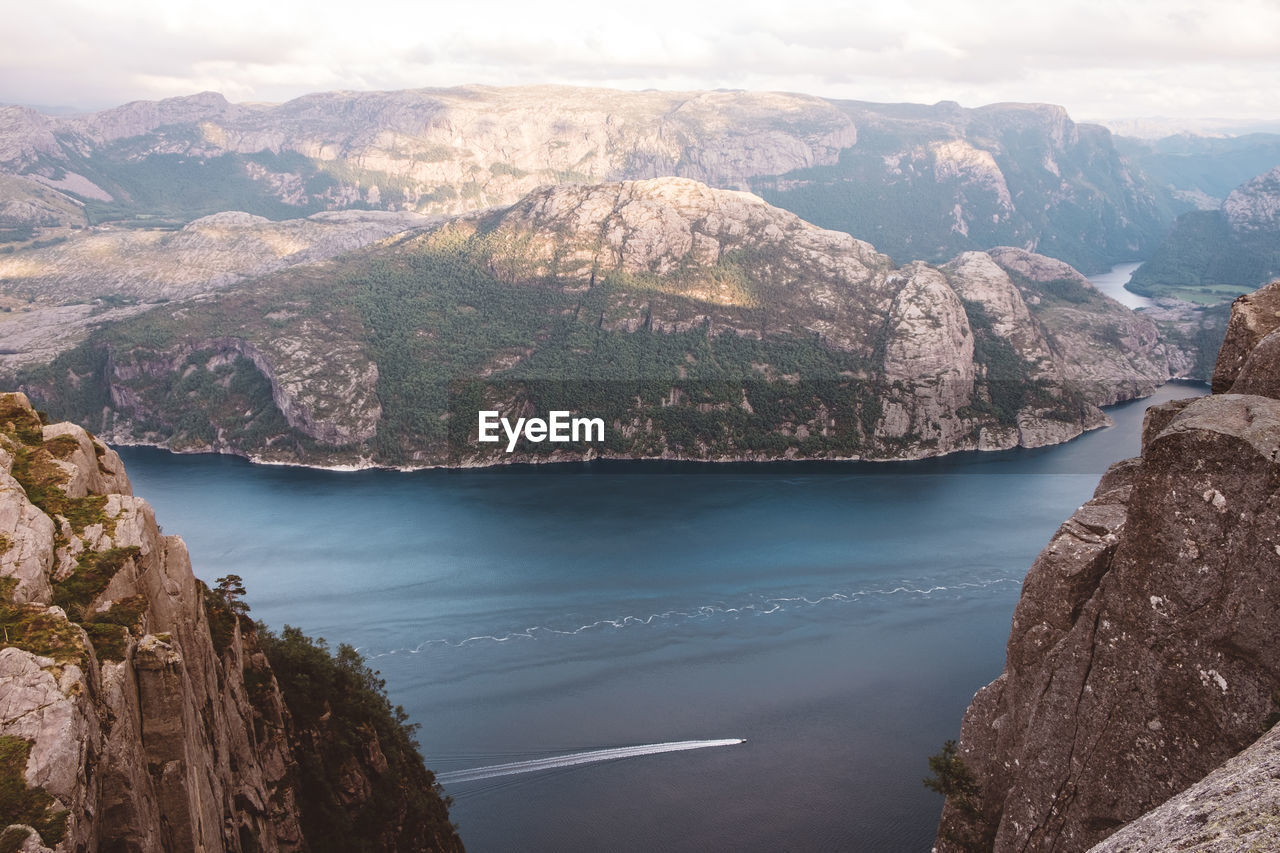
<point x="448" y="151"/>
<point x="700" y="323"/>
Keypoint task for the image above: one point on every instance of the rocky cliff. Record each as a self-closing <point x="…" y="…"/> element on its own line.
<point x="1233" y="808"/>
<point x="138" y="710"/>
<point x="1142" y="653"/>
<point x="699" y="323"/>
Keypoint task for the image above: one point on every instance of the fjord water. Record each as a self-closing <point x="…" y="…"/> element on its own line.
<point x="838" y="616"/>
<point x="1113" y="282"/>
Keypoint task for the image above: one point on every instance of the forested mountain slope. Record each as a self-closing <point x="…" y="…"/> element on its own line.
<point x="697" y="323"/>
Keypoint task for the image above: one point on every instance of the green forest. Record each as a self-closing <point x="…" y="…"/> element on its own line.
<point x="1207" y="262"/>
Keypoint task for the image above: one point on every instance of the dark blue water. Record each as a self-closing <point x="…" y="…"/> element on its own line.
<point x="838" y="616"/>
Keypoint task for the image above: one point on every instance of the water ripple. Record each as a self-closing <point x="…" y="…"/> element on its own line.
<point x="765" y="607"/>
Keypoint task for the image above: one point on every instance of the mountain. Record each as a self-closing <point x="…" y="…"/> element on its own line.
<point x="1142" y="653"/>
<point x="922" y="182"/>
<point x="1214" y="254"/>
<point x="27" y="206"/>
<point x="928" y="182"/>
<point x="142" y="710"/>
<point x="50" y="295"/>
<point x="1156" y="128"/>
<point x="206" y="254"/>
<point x="696" y="323"/>
<point x="430" y="150"/>
<point x="1201" y="170"/>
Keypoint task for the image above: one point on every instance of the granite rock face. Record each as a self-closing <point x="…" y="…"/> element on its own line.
<point x="148" y="726"/>
<point x="1097" y="343"/>
<point x="142" y="743"/>
<point x="1233" y="808"/>
<point x="1253" y="317"/>
<point x="928" y="361"/>
<point x="980" y="277"/>
<point x="1142" y="654"/>
<point x="1255" y="205"/>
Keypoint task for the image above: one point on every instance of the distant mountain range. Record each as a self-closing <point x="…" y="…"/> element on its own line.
<point x="1216" y="254"/>
<point x="929" y="181"/>
<point x="1160" y="127"/>
<point x="1201" y="171"/>
<point x="921" y="182"/>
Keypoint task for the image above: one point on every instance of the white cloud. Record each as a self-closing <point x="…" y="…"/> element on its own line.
<point x="1118" y="58"/>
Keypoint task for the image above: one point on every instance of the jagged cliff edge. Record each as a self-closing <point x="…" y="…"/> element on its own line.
<point x="1143" y="653"/>
<point x="137" y="711"/>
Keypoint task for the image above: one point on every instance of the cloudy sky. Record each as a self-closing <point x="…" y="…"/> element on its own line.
<point x="1099" y="58"/>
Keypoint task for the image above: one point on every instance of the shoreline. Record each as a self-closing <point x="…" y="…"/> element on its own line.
<point x="369" y="465"/>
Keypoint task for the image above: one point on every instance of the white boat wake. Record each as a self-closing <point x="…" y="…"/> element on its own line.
<point x="575" y="758"/>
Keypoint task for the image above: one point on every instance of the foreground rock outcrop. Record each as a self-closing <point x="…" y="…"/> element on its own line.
<point x="697" y="323"/>
<point x="1233" y="808"/>
<point x="138" y="710"/>
<point x="1143" y="652"/>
